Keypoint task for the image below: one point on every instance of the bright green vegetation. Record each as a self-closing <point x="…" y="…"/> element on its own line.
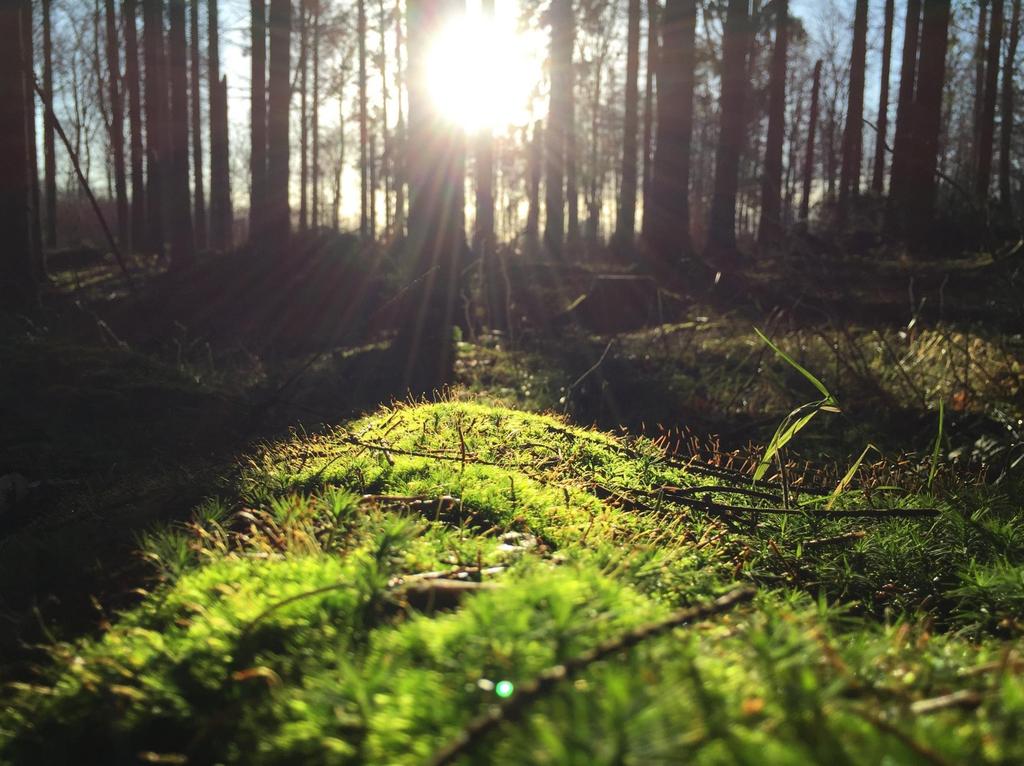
<point x="314" y="617"/>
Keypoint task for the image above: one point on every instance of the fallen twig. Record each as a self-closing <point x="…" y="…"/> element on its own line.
<point x="964" y="698"/>
<point x="514" y="707"/>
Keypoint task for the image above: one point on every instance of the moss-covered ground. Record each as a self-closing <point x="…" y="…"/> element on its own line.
<point x="359" y="595"/>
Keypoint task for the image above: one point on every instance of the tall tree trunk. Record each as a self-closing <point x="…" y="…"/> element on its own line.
<point x="278" y="209"/>
<point x="648" y="132"/>
<point x="221" y="215"/>
<point x="182" y="235"/>
<point x="625" y="224"/>
<point x="853" y="134"/>
<point x="117" y="123"/>
<point x="882" y="135"/>
<point x="667" y="213"/>
<point x="137" y="153"/>
<point x="199" y="195"/>
<point x="533" y="171"/>
<point x="812" y="134"/>
<point x="987" y="133"/>
<point x="572" y="193"/>
<point x="398" y="163"/>
<point x="979" y="81"/>
<point x="364" y="159"/>
<point x="1006" y="125"/>
<point x="385" y="155"/>
<point x="303" y="115"/>
<point x="28" y="36"/>
<point x="49" y="143"/>
<point x="928" y="118"/>
<point x="17" y="273"/>
<point x="156" y="121"/>
<point x="770" y="229"/>
<point x="721" y="247"/>
<point x="558" y="127"/>
<point x="437" y="239"/>
<point x="258" y="127"/>
<point x="315" y="117"/>
<point x="483" y="229"/>
<point x="905" y="113"/>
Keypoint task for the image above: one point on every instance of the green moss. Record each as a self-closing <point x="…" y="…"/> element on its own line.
<point x="287" y="634"/>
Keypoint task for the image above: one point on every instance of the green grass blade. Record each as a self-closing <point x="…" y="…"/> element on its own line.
<point x="790" y="427"/>
<point x="937" y="449"/>
<point x="841" y="487"/>
<point x="830" y="400"/>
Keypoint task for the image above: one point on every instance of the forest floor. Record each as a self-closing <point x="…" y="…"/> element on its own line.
<point x="219" y="556"/>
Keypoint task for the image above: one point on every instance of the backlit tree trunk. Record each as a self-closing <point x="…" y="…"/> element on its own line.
<point x="669" y="205"/>
<point x="28" y="38"/>
<point x="221" y="215"/>
<point x="156" y="121"/>
<point x="117" y="122"/>
<point x="853" y="134"/>
<point x="198" y="195"/>
<point x="182" y="236"/>
<point x="905" y="112"/>
<point x="812" y="134"/>
<point x="878" y="174"/>
<point x="483" y="227"/>
<point x="625" y="224"/>
<point x="721" y="247"/>
<point x="1006" y="125"/>
<point x="137" y="152"/>
<point x="364" y="158"/>
<point x="278" y="209"/>
<point x="986" y="136"/>
<point x="533" y="172"/>
<point x="258" y="127"/>
<point x="558" y="127"/>
<point x="303" y="115"/>
<point x="770" y="230"/>
<point x="49" y="143"/>
<point x="648" y="132"/>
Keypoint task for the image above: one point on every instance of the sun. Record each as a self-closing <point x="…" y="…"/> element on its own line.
<point x="482" y="72"/>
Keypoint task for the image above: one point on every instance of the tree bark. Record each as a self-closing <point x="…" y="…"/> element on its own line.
<point x="182" y="235"/>
<point x="28" y="36"/>
<point x="221" y="214"/>
<point x="398" y="162"/>
<point x="533" y="172"/>
<point x="667" y="214"/>
<point x="437" y="241"/>
<point x="721" y="247"/>
<point x="17" y="274"/>
<point x="303" y="115"/>
<point x="648" y="131"/>
<point x="558" y="125"/>
<point x="315" y="119"/>
<point x="199" y="195"/>
<point x="258" y="127"/>
<point x="156" y="122"/>
<point x="364" y="159"/>
<point x="278" y="209"/>
<point x="853" y="134"/>
<point x="882" y="135"/>
<point x="483" y="229"/>
<point x="812" y="134"/>
<point x="117" y="123"/>
<point x="770" y="229"/>
<point x="905" y="112"/>
<point x="49" y="143"/>
<point x="986" y="137"/>
<point x="625" y="224"/>
<point x="928" y="119"/>
<point x="1006" y="124"/>
<point x="137" y="153"/>
<point x="979" y="80"/>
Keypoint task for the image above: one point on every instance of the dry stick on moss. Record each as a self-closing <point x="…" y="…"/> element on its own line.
<point x="513" y="708"/>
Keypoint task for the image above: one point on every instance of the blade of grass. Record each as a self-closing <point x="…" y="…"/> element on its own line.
<point x="829" y="399"/>
<point x="937" y="449"/>
<point x="841" y="487"/>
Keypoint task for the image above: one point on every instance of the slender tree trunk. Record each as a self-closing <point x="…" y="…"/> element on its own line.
<point x="770" y="229"/>
<point x="17" y="272"/>
<point x="258" y="126"/>
<point x="983" y="177"/>
<point x="853" y="134"/>
<point x="667" y="214"/>
<point x="156" y="121"/>
<point x="979" y="80"/>
<point x="398" y="163"/>
<point x="137" y="153"/>
<point x="648" y="132"/>
<point x="1006" y="125"/>
<point x="625" y="225"/>
<point x="221" y="214"/>
<point x="882" y="136"/>
<point x="483" y="229"/>
<point x="199" y="195"/>
<point x="558" y="127"/>
<point x="385" y="155"/>
<point x="572" y="194"/>
<point x="117" y="124"/>
<point x="437" y="241"/>
<point x="303" y="116"/>
<point x="315" y="118"/>
<point x="49" y="143"/>
<point x="364" y="159"/>
<point x="928" y="119"/>
<point x="182" y="235"/>
<point x="28" y="36"/>
<point x="533" y="172"/>
<point x="278" y="209"/>
<point x="812" y="134"/>
<point x="338" y="168"/>
<point x="905" y="112"/>
<point x="721" y="248"/>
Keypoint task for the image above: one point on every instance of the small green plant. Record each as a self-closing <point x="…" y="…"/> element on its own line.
<point x="798" y="419"/>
